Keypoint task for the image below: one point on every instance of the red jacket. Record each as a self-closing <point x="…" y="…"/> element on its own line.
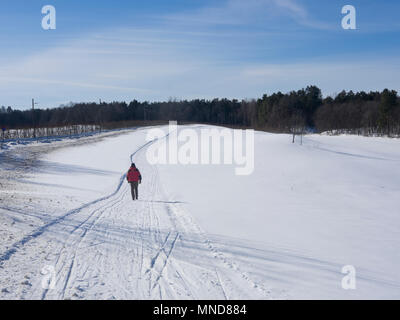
<point x="134" y="175"/>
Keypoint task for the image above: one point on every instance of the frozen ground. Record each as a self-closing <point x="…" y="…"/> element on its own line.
<point x="200" y="232"/>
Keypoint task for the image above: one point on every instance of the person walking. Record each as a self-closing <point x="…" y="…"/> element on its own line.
<point x="134" y="178"/>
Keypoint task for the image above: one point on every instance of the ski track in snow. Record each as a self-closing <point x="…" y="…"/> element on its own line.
<point x="114" y="248"/>
<point x="310" y="210"/>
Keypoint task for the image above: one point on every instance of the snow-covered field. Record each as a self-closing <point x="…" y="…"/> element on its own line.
<point x="200" y="231"/>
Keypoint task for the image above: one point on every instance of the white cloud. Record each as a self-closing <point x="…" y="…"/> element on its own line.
<point x="331" y="76"/>
<point x="239" y="12"/>
<point x="293" y="7"/>
<point x="166" y="61"/>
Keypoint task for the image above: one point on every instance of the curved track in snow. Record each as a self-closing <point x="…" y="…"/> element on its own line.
<point x="114" y="248"/>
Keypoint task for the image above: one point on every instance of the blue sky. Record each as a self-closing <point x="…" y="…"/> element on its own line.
<point x="156" y="50"/>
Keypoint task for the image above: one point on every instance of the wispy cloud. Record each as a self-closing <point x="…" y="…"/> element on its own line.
<point x="332" y="76"/>
<point x="42" y="81"/>
<point x="293" y="7"/>
<point x="301" y="15"/>
<point x="238" y="12"/>
<point x="184" y="55"/>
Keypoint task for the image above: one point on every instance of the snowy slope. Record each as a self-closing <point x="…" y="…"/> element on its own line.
<point x="197" y="232"/>
<point x="307" y="211"/>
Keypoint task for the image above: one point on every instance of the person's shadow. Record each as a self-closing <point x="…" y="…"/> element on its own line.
<point x="159" y="201"/>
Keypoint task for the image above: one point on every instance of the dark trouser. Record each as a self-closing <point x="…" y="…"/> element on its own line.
<point x="134" y="189"/>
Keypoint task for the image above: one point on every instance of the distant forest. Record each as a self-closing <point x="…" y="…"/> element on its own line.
<point x="372" y="113"/>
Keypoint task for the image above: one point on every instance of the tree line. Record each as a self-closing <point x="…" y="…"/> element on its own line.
<point x="367" y="113"/>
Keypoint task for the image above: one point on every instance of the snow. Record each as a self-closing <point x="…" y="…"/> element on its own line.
<point x="200" y="231"/>
<point x="333" y="199"/>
